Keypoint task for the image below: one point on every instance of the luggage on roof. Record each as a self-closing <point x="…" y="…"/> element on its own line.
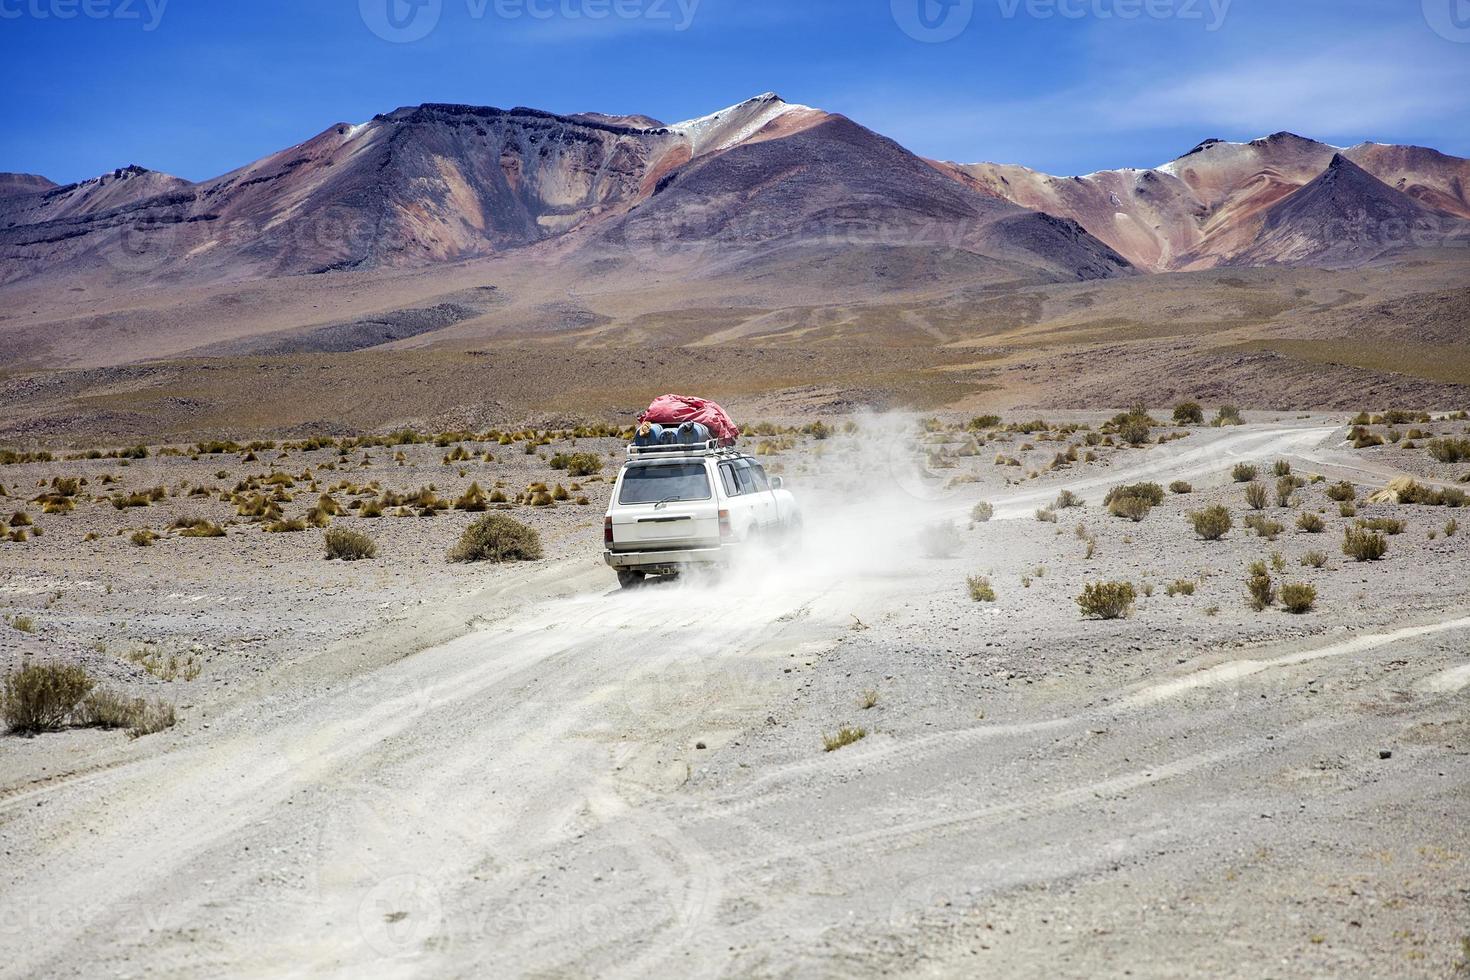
<point x="675" y="410"/>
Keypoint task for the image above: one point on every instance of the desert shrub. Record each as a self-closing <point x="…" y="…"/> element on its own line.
<point x="1315" y="559"/>
<point x="1449" y="450"/>
<point x="1046" y="516"/>
<point x="982" y="512"/>
<point x="103" y="708"/>
<point x="1298" y="597"/>
<point x="1244" y="472"/>
<point x="1151" y="492"/>
<point x="20" y="519"/>
<point x="1133" y="508"/>
<point x="1281" y="468"/>
<point x="1180" y="487"/>
<point x="1285" y="487"/>
<point x="1364" y="545"/>
<point x="1255" y="496"/>
<point x="1347" y="509"/>
<point x="1107" y="600"/>
<point x="1067" y="499"/>
<point x="1309" y="523"/>
<point x="1387" y="525"/>
<point x="1182" y="587"/>
<point x="40" y="697"/>
<point x="286" y="527"/>
<point x="980" y="588"/>
<point x="1260" y="587"/>
<point x="1134" y="430"/>
<point x="1189" y="413"/>
<point x="349" y="545"/>
<point x="143" y="538"/>
<point x="1212" y="523"/>
<point x="1342" y="491"/>
<point x="1451" y="527"/>
<point x="1264" y="527"/>
<point x="939" y="540"/>
<point x="1227" y="415"/>
<point x="497" y="538"/>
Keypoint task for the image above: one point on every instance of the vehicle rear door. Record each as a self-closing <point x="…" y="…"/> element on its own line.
<point x="665" y="506"/>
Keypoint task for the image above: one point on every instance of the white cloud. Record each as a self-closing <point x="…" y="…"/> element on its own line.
<point x="1358" y="89"/>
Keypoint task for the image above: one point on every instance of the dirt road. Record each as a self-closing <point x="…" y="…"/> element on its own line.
<point x="627" y="784"/>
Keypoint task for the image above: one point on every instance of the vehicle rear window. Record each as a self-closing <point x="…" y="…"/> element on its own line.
<point x="669" y="481"/>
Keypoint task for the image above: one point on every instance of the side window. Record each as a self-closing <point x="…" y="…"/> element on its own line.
<point x="727" y="477"/>
<point x="759" y="472"/>
<point x="742" y="473"/>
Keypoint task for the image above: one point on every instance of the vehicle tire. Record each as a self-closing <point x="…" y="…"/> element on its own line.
<point x="629" y="579"/>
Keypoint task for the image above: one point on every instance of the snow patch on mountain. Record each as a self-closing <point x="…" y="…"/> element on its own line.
<point x="734" y="125"/>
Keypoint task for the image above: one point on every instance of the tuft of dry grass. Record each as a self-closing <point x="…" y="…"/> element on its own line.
<point x="1364" y="545"/>
<point x="845" y="735"/>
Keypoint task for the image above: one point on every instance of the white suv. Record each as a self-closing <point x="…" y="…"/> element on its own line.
<point x="679" y="506"/>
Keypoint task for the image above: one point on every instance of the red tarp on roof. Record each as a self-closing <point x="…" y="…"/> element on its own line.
<point x="673" y="409"/>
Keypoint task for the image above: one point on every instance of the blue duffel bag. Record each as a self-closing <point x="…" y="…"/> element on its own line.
<point x="655" y="436"/>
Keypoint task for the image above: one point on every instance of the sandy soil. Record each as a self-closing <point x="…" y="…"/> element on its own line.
<point x="426" y="769"/>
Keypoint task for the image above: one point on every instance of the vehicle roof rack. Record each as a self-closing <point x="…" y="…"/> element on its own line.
<point x="712" y="447"/>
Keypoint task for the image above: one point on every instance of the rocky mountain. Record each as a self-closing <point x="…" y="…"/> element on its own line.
<point x="765" y="186"/>
<point x="1207" y="208"/>
<point x="436" y="183"/>
<point x="1346" y="217"/>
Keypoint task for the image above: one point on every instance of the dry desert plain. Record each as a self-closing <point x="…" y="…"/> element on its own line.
<point x="856" y="761"/>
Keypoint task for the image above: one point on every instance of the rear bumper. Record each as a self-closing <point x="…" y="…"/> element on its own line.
<point x="666" y="562"/>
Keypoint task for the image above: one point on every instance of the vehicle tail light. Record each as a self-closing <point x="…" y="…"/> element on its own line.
<point x="726" y="531"/>
<point x="607" y="535"/>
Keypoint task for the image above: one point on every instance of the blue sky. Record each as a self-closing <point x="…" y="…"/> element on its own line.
<point x="198" y="88"/>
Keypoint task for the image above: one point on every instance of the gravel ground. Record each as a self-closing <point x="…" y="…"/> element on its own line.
<point x="412" y="767"/>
